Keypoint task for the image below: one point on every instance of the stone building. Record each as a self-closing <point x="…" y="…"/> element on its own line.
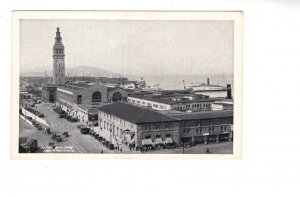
<point x="136" y="125"/>
<point x="142" y="126"/>
<point x="78" y="98"/>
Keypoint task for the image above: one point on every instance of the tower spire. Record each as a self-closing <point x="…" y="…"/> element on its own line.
<point x="58" y="37"/>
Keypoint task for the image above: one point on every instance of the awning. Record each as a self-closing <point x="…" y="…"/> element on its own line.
<point x="147" y="142"/>
<point x="169" y="140"/>
<point x="158" y="141"/>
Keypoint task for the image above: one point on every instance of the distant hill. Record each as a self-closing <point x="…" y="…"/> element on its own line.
<point x="76" y="71"/>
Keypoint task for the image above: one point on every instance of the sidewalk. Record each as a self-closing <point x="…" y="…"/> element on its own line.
<point x="115" y="141"/>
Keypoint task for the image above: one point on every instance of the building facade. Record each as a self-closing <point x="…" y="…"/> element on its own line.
<point x="80" y="100"/>
<point x="49" y="93"/>
<point x="205" y="127"/>
<point x="179" y="104"/>
<point x="137" y="126"/>
<point x="141" y="126"/>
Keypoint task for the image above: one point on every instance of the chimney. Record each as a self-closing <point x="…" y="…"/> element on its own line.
<point x="208" y="81"/>
<point x="229" y="96"/>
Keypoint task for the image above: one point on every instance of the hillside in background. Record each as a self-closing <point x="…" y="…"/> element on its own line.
<point x="77" y="71"/>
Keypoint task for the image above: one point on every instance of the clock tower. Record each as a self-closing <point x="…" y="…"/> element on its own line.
<point x="58" y="60"/>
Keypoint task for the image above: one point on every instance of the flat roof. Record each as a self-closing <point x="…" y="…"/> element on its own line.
<point x="203" y="115"/>
<point x="135" y="114"/>
<point x="162" y="99"/>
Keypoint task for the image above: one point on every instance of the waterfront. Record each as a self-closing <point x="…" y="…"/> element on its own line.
<point x="175" y="82"/>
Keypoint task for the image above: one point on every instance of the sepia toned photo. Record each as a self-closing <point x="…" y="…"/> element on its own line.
<point x="127" y="85"/>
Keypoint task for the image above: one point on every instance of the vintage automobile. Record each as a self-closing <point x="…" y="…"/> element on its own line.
<point x="100" y="138"/>
<point x="85" y="130"/>
<point x="58" y="138"/>
<point x="66" y="134"/>
<point x="111" y="146"/>
<point x="47" y="130"/>
<point x="62" y="115"/>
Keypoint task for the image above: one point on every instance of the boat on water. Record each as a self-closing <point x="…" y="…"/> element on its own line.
<point x="204" y="87"/>
<point x="199" y="87"/>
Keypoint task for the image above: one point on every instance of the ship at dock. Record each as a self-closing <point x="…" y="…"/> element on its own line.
<point x="198" y="87"/>
<point x="207" y="89"/>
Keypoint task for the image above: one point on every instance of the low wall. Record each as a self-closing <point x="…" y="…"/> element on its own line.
<point x="34" y="117"/>
<point x="28" y="121"/>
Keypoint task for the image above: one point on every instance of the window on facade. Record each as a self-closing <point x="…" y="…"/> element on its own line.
<point x="168" y="135"/>
<point x="157" y="126"/>
<point x="166" y="126"/>
<point x="158" y="136"/>
<point x="96" y="97"/>
<point x="147" y="136"/>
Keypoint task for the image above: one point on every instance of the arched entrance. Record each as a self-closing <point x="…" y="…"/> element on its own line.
<point x="117" y="96"/>
<point x="51" y="98"/>
<point x="79" y="99"/>
<point x="96" y="97"/>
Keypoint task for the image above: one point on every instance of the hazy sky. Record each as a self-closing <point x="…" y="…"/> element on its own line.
<point x="131" y="47"/>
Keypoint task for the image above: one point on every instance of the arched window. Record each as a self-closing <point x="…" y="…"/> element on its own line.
<point x="117" y="96"/>
<point x="96" y="97"/>
<point x="79" y="99"/>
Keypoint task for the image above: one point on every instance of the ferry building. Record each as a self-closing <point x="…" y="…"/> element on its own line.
<point x="79" y="98"/>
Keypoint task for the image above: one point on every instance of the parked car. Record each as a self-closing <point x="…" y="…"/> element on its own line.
<point x="85" y="130"/>
<point x="41" y="115"/>
<point x="62" y="115"/>
<point x="66" y="134"/>
<point x="111" y="146"/>
<point x="47" y="130"/>
<point x="58" y="138"/>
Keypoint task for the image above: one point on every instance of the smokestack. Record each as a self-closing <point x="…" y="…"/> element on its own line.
<point x="229" y="96"/>
<point x="208" y="81"/>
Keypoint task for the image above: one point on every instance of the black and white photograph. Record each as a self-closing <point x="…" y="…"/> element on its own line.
<point x="150" y="98"/>
<point x="154" y="83"/>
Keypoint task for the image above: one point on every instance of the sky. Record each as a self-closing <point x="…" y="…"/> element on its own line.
<point x="131" y="47"/>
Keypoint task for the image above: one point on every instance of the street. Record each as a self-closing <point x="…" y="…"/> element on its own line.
<point x="80" y="143"/>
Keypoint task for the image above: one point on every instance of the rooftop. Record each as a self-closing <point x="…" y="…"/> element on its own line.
<point x="203" y="115"/>
<point x="135" y="114"/>
<point x="83" y="85"/>
<point x="169" y="99"/>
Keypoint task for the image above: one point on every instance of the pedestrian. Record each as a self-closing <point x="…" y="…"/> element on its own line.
<point x="207" y="150"/>
<point x="121" y="149"/>
<point x="101" y="151"/>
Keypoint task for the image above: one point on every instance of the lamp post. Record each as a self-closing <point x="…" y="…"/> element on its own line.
<point x="110" y="134"/>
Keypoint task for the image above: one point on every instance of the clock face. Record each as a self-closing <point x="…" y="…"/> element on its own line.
<point x="59" y="64"/>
